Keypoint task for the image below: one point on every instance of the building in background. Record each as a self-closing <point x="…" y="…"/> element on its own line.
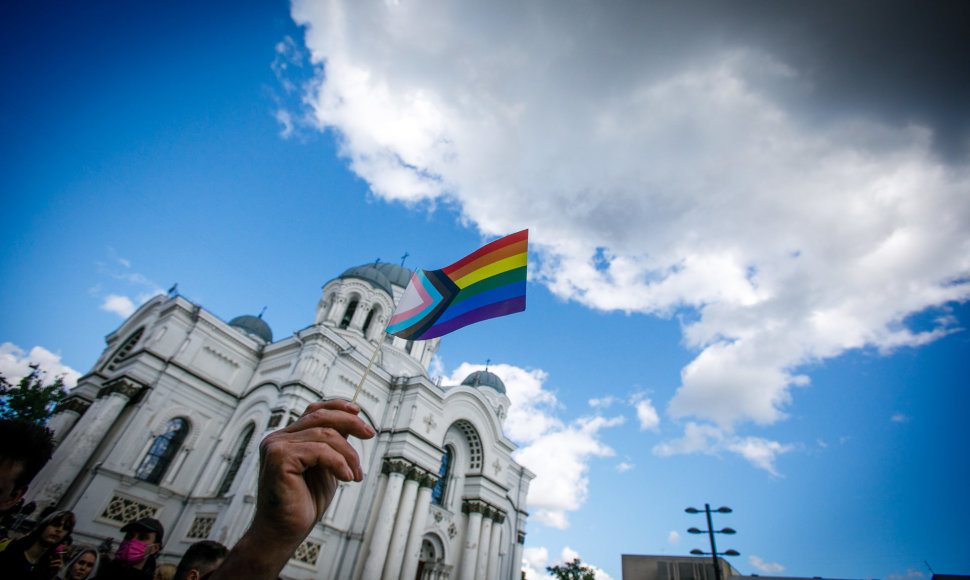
<point x="673" y="568"/>
<point x="688" y="568"/>
<point x="167" y="424"/>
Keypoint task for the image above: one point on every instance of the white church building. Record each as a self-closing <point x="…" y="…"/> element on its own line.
<point x="167" y="425"/>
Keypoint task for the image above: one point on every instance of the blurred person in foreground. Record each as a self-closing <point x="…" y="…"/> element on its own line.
<point x="25" y="448"/>
<point x="36" y="555"/>
<point x="300" y="468"/>
<point x="200" y="559"/>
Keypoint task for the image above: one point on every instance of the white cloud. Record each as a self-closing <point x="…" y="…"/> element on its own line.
<point x="653" y="185"/>
<point x="624" y="466"/>
<point x="603" y="402"/>
<point x="560" y="459"/>
<point x="118" y="302"/>
<point x="699" y="438"/>
<point x="673" y="538"/>
<point x="769" y="568"/>
<point x="647" y="415"/>
<point x="559" y="454"/>
<point x="15" y="364"/>
<point x="120" y="305"/>
<point x="900" y="418"/>
<point x="534" y="561"/>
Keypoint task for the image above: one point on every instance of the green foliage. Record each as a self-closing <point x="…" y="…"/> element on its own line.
<point x="572" y="571"/>
<point x="30" y="399"/>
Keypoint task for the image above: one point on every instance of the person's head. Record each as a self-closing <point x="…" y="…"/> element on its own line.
<point x="53" y="529"/>
<point x="81" y="566"/>
<point x="143" y="539"/>
<point x="200" y="559"/>
<point x="24" y="448"/>
<point x="165" y="572"/>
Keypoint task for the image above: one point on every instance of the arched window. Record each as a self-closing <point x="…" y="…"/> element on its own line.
<point x="349" y="314"/>
<point x="474" y="445"/>
<point x="162" y="451"/>
<point x="438" y="493"/>
<point x="236" y="460"/>
<point x="367" y="321"/>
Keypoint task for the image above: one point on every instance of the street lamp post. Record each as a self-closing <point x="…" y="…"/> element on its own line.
<point x="710" y="532"/>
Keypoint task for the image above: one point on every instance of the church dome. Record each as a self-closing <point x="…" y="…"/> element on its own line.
<point x="253" y="325"/>
<point x="484" y="379"/>
<point x="380" y="276"/>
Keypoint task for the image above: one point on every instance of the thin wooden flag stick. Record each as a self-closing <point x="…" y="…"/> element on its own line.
<point x="373" y="357"/>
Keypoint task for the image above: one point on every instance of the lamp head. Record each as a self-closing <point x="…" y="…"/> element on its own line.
<point x="732" y="553"/>
<point x="726" y="531"/>
<point x="691" y="510"/>
<point x="694" y="531"/>
<point x="697" y="552"/>
<point x="724" y="510"/>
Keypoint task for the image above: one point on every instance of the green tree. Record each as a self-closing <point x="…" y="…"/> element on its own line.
<point x="30" y="399"/>
<point x="572" y="571"/>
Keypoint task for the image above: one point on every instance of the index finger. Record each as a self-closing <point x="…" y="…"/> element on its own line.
<point x="338" y="415"/>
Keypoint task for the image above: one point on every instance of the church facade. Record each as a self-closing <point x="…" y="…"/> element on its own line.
<point x="168" y="421"/>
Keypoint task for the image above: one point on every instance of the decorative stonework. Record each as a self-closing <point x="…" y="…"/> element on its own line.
<point x="307" y="552"/>
<point x="275" y="419"/>
<point x="122" y="385"/>
<point x="76" y="404"/>
<point x="201" y="527"/>
<point x="487" y="510"/>
<point x="429" y="422"/>
<point x="452" y="531"/>
<point x="496" y="466"/>
<point x="123" y="510"/>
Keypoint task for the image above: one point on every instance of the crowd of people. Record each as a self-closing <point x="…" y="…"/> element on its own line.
<point x="300" y="468"/>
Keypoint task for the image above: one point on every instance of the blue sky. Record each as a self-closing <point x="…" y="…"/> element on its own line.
<point x="749" y="225"/>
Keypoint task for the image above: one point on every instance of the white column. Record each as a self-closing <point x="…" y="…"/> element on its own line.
<point x="377" y="554"/>
<point x="472" y="530"/>
<point x="66" y="416"/>
<point x="495" y="548"/>
<point x="73" y="453"/>
<point x="485" y="540"/>
<point x="402" y="525"/>
<point x="517" y="555"/>
<point x="412" y="551"/>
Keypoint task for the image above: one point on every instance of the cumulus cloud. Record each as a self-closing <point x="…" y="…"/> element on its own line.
<point x="900" y="418"/>
<point x="685" y="179"/>
<point x="558" y="453"/>
<point x="534" y="562"/>
<point x="15" y="364"/>
<point x="647" y="415"/>
<point x="700" y="438"/>
<point x="120" y="305"/>
<point x="764" y="567"/>
<point x="673" y="538"/>
<point x="624" y="466"/>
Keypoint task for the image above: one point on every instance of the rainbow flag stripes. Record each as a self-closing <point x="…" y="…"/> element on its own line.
<point x="485" y="284"/>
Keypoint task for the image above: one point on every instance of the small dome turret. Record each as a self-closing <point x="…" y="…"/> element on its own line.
<point x="254" y="326"/>
<point x="484" y="379"/>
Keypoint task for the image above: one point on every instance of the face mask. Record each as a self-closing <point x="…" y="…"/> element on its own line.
<point x="131" y="551"/>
